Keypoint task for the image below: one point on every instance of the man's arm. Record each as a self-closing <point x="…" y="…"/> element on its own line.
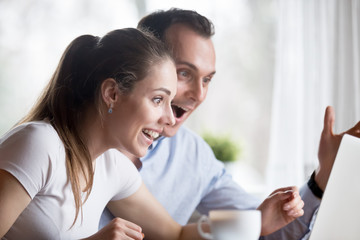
<point x="283" y="206"/>
<point x="328" y="148"/>
<point x="329" y="145"/>
<point x="300" y="226"/>
<point x="224" y="193"/>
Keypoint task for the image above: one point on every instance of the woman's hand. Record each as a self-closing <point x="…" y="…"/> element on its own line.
<point x="119" y="229"/>
<point x="283" y="206"/>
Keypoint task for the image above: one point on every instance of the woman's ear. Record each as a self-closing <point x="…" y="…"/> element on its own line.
<point x="109" y="91"/>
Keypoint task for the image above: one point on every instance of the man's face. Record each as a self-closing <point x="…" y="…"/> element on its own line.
<point x="195" y="67"/>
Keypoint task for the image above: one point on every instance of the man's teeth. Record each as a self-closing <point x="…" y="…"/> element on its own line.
<point x="151" y="133"/>
<point x="183" y="108"/>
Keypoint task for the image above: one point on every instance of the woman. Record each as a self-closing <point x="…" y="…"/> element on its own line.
<point x="59" y="163"/>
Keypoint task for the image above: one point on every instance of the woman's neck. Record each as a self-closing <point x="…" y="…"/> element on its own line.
<point x="93" y="134"/>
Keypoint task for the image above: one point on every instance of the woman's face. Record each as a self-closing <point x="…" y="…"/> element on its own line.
<point x="140" y="116"/>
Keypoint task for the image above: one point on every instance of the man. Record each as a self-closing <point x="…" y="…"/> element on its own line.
<point x="180" y="169"/>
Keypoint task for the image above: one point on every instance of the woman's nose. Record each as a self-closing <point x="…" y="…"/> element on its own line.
<point x="168" y="116"/>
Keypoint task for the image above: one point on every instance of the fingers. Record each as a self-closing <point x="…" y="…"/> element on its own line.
<point x="294" y="207"/>
<point x="127" y="228"/>
<point x="284" y="192"/>
<point x="292" y="202"/>
<point x="355" y="131"/>
<point x="357" y="126"/>
<point x="134" y="234"/>
<point x="329" y="120"/>
<point x="128" y="224"/>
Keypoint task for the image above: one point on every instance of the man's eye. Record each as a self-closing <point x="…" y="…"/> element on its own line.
<point x="183" y="74"/>
<point x="207" y="80"/>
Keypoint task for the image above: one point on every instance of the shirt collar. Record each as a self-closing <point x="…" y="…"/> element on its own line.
<point x="153" y="145"/>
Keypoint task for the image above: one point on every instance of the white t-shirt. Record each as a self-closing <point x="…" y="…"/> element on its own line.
<point x="34" y="154"/>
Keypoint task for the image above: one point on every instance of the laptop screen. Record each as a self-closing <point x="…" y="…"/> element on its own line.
<point x="339" y="212"/>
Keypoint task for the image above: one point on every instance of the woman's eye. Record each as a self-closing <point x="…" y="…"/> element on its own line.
<point x="157" y="100"/>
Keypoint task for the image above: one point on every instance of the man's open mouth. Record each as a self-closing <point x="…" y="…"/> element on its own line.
<point x="178" y="111"/>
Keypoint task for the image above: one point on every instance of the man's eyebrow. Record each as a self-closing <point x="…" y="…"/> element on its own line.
<point x="167" y="91"/>
<point x="190" y="65"/>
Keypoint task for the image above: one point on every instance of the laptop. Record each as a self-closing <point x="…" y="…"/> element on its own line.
<point x="338" y="217"/>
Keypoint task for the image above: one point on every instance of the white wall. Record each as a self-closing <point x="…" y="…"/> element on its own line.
<point x="34" y="33"/>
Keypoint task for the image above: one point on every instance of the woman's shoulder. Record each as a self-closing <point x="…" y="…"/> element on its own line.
<point x="119" y="172"/>
<point x="31" y="153"/>
<point x="114" y="158"/>
<point x="32" y="140"/>
<point x="37" y="130"/>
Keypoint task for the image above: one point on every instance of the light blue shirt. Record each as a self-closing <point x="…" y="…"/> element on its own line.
<point x="183" y="174"/>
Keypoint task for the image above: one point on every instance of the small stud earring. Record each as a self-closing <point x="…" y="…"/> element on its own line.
<point x="110" y="108"/>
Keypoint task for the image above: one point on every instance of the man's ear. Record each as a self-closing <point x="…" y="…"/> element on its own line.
<point x="109" y="91"/>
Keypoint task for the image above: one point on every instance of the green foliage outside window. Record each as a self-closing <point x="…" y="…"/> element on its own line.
<point x="224" y="148"/>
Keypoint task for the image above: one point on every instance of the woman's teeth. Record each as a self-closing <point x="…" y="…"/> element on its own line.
<point x="151" y="133"/>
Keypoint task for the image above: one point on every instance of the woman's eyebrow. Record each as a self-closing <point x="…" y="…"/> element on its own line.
<point x="167" y="91"/>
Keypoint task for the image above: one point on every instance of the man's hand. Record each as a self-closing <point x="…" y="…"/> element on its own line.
<point x="279" y="209"/>
<point x="329" y="146"/>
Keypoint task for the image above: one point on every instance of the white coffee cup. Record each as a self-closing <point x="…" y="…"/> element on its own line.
<point x="231" y="225"/>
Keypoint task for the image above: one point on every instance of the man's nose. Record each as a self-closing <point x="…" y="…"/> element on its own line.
<point x="197" y="90"/>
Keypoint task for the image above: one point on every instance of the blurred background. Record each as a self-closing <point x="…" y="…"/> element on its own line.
<point x="279" y="64"/>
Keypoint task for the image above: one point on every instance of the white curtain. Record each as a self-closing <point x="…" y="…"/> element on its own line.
<point x="317" y="64"/>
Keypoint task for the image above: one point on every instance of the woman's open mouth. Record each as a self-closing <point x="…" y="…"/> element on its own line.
<point x="151" y="135"/>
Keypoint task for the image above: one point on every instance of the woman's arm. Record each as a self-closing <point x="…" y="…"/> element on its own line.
<point x="144" y="210"/>
<point x="13" y="200"/>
